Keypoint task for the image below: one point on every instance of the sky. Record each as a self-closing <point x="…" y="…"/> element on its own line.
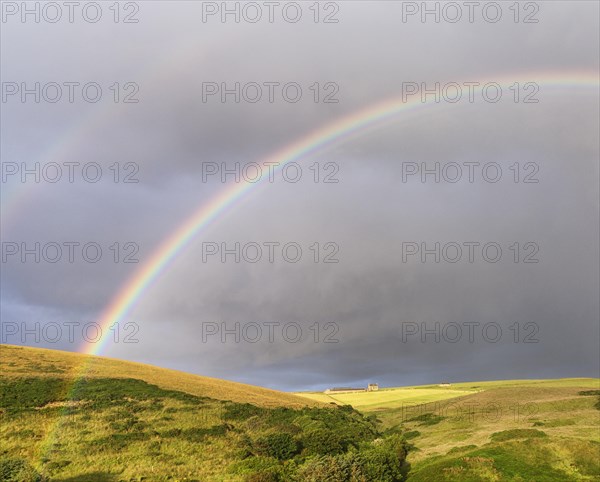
<point x="375" y="265"/>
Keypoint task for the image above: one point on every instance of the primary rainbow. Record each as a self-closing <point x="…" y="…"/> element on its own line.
<point x="348" y="126"/>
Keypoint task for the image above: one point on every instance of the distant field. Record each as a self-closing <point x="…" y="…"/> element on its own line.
<point x="396" y="397"/>
<point x="388" y="398"/>
<point x="506" y="430"/>
<point x="559" y="382"/>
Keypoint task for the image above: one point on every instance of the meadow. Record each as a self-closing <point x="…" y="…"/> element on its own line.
<point x="121" y="421"/>
<point x="124" y="421"/>
<point x="508" y="430"/>
<point x="388" y="398"/>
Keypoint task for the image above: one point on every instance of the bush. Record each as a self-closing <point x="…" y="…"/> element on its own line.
<point x="279" y="445"/>
<point x="384" y="462"/>
<point x="325" y="469"/>
<point x="241" y="411"/>
<point x="381" y="464"/>
<point x="264" y="476"/>
<point x="323" y="442"/>
<point x="252" y="465"/>
<point x="397" y="445"/>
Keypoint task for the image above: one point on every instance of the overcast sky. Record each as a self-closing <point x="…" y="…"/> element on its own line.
<point x="374" y="303"/>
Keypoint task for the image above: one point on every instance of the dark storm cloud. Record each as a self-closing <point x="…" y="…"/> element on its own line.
<point x="369" y="213"/>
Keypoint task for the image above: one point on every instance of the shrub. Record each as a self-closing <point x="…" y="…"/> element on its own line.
<point x="397" y="445"/>
<point x="241" y="411"/>
<point x="325" y="469"/>
<point x="323" y="442"/>
<point x="384" y="462"/>
<point x="264" y="476"/>
<point x="279" y="445"/>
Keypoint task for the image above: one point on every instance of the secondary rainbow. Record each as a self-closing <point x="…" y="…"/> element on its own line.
<point x="338" y="131"/>
<point x="82" y="131"/>
<point x="349" y="126"/>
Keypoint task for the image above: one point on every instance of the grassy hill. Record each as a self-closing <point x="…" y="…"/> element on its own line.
<point x="18" y="361"/>
<point x="126" y="421"/>
<point x="130" y="422"/>
<point x="513" y="430"/>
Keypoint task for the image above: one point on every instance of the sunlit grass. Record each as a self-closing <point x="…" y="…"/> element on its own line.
<point x="131" y="422"/>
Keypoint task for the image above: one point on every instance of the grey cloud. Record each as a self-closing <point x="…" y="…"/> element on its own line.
<point x="369" y="213"/>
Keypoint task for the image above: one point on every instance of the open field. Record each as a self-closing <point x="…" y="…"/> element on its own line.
<point x="395" y="397"/>
<point x="387" y="398"/>
<point x="130" y="422"/>
<point x="540" y="432"/>
<point x="493" y="430"/>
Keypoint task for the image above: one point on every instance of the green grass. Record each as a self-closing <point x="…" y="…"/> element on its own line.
<point x="388" y="398"/>
<point x="130" y="422"/>
<point x="516" y="460"/>
<point x="121" y="428"/>
<point x="20" y="362"/>
<point x="126" y="429"/>
<point x="505" y="430"/>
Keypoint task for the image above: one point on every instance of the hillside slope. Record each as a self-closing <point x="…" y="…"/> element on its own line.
<point x="127" y="422"/>
<point x="17" y="361"/>
<point x="506" y="430"/>
<point x="124" y="421"/>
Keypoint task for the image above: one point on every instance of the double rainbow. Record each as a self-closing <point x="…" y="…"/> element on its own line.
<point x="339" y="131"/>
